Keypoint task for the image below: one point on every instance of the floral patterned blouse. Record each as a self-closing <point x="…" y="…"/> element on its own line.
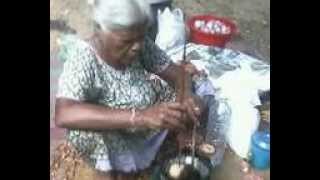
<point x="87" y="78"/>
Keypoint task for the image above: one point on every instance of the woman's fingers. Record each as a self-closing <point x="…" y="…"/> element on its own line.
<point x="176" y="106"/>
<point x="192" y="109"/>
<point x="196" y="106"/>
<point x="174" y="114"/>
<point x="169" y="117"/>
<point x="167" y="126"/>
<point x="174" y="123"/>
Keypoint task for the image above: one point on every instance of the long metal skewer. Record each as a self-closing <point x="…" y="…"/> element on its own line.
<point x="184" y="61"/>
<point x="193" y="143"/>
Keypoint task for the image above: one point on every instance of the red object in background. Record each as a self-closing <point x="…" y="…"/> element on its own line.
<point x="199" y="37"/>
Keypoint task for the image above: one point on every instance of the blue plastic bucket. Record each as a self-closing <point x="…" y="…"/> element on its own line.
<point x="260" y="150"/>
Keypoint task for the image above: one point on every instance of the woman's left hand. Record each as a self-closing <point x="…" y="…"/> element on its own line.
<point x="191" y="102"/>
<point x="194" y="106"/>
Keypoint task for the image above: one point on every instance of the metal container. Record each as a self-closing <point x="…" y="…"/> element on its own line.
<point x="200" y="169"/>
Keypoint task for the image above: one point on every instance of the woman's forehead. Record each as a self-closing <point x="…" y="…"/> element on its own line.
<point x="130" y="33"/>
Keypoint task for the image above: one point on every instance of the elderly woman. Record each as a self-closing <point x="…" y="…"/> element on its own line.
<point x="117" y="114"/>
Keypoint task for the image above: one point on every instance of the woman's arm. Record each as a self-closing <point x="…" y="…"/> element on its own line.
<point x="80" y="115"/>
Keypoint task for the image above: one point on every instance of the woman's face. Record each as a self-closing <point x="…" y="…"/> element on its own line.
<point x="123" y="46"/>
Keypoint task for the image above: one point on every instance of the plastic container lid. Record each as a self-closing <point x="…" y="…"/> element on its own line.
<point x="262" y="140"/>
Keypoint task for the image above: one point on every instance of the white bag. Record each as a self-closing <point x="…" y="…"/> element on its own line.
<point x="171" y="29"/>
<point x="241" y="87"/>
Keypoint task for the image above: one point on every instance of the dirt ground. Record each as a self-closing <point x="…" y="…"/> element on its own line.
<point x="253" y="20"/>
<point x="252" y="17"/>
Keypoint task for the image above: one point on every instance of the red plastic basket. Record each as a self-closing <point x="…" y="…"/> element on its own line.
<point x="219" y="40"/>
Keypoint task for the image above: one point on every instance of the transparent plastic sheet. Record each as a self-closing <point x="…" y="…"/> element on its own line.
<point x="215" y="128"/>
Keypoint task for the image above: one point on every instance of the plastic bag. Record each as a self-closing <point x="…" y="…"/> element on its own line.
<point x="172" y="31"/>
<point x="240" y="87"/>
<point x="215" y="128"/>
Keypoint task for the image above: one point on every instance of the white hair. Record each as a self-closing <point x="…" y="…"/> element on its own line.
<point x="121" y="14"/>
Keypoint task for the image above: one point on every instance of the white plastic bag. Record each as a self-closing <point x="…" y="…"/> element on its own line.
<point x="241" y="87"/>
<point x="171" y="29"/>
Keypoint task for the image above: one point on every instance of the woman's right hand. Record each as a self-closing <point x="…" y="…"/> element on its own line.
<point x="164" y="115"/>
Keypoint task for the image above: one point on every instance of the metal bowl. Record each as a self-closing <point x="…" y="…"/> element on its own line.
<point x="200" y="169"/>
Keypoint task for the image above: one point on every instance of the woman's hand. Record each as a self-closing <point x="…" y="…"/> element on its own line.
<point x="194" y="107"/>
<point x="165" y="115"/>
<point x="190" y="69"/>
<point x="192" y="103"/>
